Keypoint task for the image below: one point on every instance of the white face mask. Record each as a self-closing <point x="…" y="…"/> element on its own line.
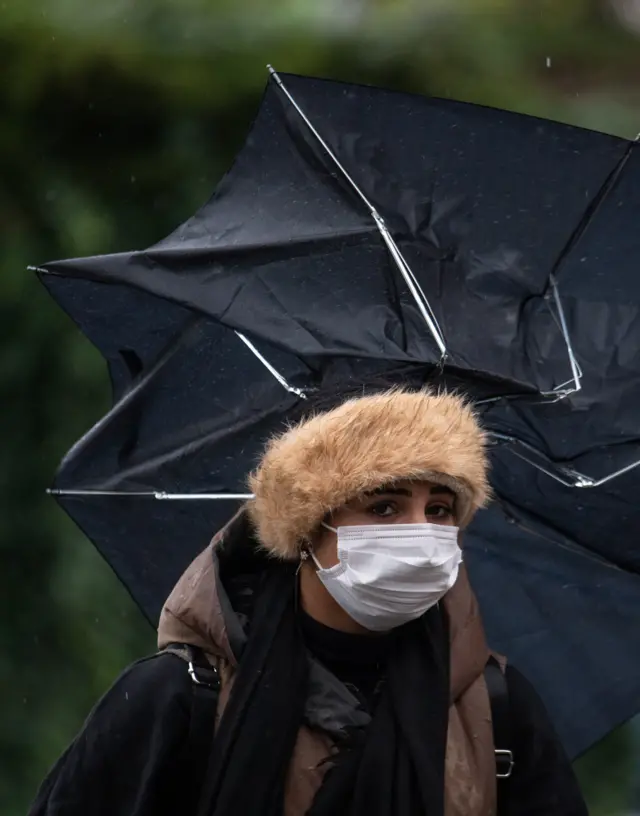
<point x="389" y="574"/>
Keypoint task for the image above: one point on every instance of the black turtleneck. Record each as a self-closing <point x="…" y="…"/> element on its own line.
<point x="359" y="661"/>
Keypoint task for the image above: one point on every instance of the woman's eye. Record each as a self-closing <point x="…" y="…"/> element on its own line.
<point x="439" y="511"/>
<point x="383" y="509"/>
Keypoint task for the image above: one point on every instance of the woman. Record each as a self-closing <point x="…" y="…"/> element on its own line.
<point x="333" y="624"/>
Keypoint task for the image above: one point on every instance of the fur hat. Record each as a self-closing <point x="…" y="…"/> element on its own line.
<point x="323" y="462"/>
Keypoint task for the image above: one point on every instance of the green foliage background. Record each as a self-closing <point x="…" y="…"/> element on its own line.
<point x="116" y="121"/>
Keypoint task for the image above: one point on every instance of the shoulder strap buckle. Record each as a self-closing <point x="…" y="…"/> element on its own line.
<point x="200" y="670"/>
<point x="202" y="676"/>
<point x="501" y="717"/>
<point x="504" y="763"/>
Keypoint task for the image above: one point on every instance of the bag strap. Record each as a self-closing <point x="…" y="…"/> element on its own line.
<point x="205" y="691"/>
<point x="500" y="716"/>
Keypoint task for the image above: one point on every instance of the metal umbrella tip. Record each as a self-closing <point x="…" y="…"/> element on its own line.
<point x="275" y="75"/>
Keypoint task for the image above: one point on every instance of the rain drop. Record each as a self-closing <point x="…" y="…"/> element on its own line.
<point x="548" y="62"/>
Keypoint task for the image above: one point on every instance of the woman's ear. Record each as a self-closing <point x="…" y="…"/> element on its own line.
<point x="324" y="544"/>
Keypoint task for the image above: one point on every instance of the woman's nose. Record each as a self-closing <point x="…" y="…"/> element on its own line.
<point x="417" y="515"/>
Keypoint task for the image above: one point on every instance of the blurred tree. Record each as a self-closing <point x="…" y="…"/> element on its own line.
<point x="117" y="120"/>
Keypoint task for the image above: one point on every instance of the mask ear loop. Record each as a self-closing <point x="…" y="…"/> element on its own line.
<point x="304" y="556"/>
<point x="306" y="553"/>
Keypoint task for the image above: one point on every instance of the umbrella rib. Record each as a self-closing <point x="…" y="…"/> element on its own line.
<point x="422" y="302"/>
<point x="561" y="391"/>
<point x="159" y="495"/>
<point x="271" y="369"/>
<point x="564" y="475"/>
<point x="589" y="214"/>
<point x="594" y="205"/>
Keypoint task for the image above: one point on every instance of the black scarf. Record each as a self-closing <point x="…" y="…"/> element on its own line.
<point x="394" y="768"/>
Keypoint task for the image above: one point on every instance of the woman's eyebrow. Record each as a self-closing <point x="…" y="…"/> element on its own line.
<point x="389" y="491"/>
<point x="442" y="490"/>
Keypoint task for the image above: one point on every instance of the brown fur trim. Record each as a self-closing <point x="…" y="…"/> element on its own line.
<point x="330" y="459"/>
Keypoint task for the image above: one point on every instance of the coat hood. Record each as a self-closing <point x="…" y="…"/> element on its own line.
<point x="198" y="611"/>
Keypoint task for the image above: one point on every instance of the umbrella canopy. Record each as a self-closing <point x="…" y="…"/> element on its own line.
<point x="362" y="231"/>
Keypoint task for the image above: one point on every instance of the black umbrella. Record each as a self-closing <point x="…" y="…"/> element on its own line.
<point x="363" y="231"/>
